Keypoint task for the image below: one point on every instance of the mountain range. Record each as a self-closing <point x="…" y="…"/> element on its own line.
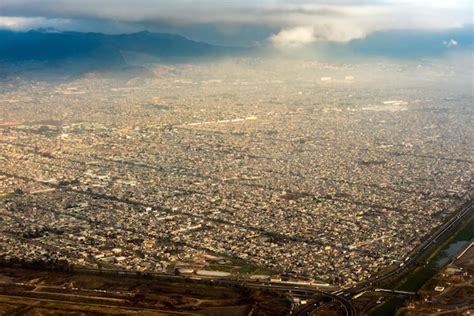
<point x="89" y="51"/>
<point x="100" y="49"/>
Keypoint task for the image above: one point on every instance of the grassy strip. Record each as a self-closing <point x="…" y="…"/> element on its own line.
<point x="414" y="280"/>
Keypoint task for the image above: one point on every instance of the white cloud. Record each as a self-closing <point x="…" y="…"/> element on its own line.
<point x="294" y="37"/>
<point x="450" y="43"/>
<point x="342" y="23"/>
<point x="28" y="23"/>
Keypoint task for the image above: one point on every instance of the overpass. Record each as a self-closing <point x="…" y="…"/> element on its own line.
<point x="308" y="309"/>
<point x="395" y="291"/>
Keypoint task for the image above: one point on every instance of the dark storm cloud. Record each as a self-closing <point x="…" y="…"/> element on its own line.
<point x="285" y="23"/>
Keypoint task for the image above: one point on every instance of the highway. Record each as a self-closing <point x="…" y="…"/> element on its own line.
<point x="421" y="250"/>
<point x="439" y="236"/>
<point x="309" y="308"/>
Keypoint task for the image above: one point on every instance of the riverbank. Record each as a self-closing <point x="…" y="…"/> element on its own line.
<point x="414" y="280"/>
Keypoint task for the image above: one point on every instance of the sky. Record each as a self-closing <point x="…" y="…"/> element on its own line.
<point x="285" y="24"/>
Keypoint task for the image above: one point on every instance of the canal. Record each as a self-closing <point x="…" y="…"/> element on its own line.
<point x="414" y="280"/>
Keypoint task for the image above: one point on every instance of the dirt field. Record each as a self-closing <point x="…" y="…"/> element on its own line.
<point x="450" y="292"/>
<point x="30" y="292"/>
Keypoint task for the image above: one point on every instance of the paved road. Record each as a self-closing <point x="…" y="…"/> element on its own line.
<point x="309" y="308"/>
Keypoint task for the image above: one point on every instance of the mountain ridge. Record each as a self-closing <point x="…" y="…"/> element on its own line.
<point x="102" y="48"/>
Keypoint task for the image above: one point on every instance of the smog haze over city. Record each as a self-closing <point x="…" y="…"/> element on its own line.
<point x="266" y="157"/>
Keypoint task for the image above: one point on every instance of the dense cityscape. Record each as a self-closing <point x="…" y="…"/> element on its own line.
<point x="325" y="174"/>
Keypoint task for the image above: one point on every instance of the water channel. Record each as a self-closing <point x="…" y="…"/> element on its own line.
<point x="415" y="279"/>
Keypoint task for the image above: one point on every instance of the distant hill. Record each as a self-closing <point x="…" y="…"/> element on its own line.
<point x="100" y="50"/>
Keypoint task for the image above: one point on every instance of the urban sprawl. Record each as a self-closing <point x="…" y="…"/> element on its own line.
<point x="313" y="171"/>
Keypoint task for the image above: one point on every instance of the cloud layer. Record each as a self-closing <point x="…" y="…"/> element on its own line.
<point x="285" y="23"/>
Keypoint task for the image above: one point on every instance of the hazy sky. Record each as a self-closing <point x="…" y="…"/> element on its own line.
<point x="284" y="23"/>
